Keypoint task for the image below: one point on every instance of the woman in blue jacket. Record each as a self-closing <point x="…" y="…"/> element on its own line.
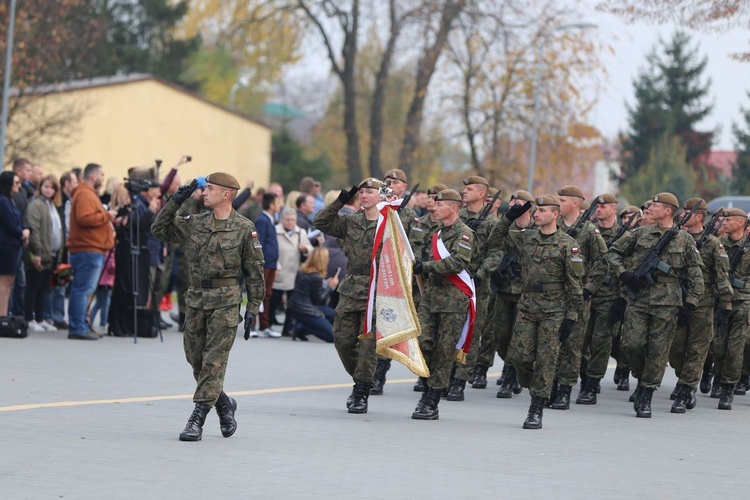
<point x="311" y="289"/>
<point x="13" y="236"/>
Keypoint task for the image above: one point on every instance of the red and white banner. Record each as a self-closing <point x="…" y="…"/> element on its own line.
<point x="391" y="313"/>
<point x="463" y="282"/>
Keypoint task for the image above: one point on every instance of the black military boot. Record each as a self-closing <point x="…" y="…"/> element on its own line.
<point x="741" y="388"/>
<point x="562" y="401"/>
<point x="534" y="418"/>
<point x="587" y="396"/>
<point x="361" y="393"/>
<point x="193" y="431"/>
<point x="705" y="385"/>
<point x="225" y="407"/>
<point x="727" y="396"/>
<point x="480" y="377"/>
<point x="378" y="381"/>
<point x="634" y="397"/>
<point x="350" y="399"/>
<point x="456" y="390"/>
<point x="616" y="376"/>
<point x="643" y="403"/>
<point x="516" y="387"/>
<point x="624" y="383"/>
<point x="502" y="375"/>
<point x="552" y="395"/>
<point x="690" y="400"/>
<point x="506" y="389"/>
<point x="716" y="387"/>
<point x="420" y="385"/>
<point x="680" y="396"/>
<point x="429" y="409"/>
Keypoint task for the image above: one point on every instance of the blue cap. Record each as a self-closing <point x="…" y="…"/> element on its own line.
<point x="201" y="181"/>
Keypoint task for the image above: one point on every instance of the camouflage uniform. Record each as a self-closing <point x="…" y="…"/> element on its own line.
<point x="443" y="309"/>
<point x="551" y="274"/>
<point x="420" y="237"/>
<point x="191" y="206"/>
<point x="728" y="345"/>
<point x="605" y="289"/>
<point x="357" y="236"/>
<point x="483" y="262"/>
<point x="218" y="253"/>
<point x="691" y="343"/>
<point x="649" y="323"/>
<point x="592" y="247"/>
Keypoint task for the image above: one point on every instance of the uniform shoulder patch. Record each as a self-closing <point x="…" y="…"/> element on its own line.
<point x="597" y="231"/>
<point x="575" y="250"/>
<point x="254" y="234"/>
<point x="186" y="217"/>
<point x="416" y="219"/>
<point x="465" y="237"/>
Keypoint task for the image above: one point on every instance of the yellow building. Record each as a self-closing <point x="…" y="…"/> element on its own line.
<point x="129" y="121"/>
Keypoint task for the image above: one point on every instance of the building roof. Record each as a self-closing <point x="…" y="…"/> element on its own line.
<point x="105" y="81"/>
<point x="722" y="162"/>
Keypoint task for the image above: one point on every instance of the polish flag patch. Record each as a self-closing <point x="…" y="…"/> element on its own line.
<point x="465" y="237"/>
<point x="254" y="234"/>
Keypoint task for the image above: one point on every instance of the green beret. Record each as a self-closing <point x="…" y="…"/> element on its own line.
<point x="571" y="190"/>
<point x="606" y="198"/>
<point x="522" y="194"/>
<point x="735" y="212"/>
<point x="585" y="205"/>
<point x="646" y="204"/>
<point x="475" y="179"/>
<point x="492" y="192"/>
<point x="449" y="195"/>
<point x="396" y="174"/>
<point x="547" y="200"/>
<point x="371" y="182"/>
<point x="667" y="199"/>
<point x="689" y="204"/>
<point x="436" y="189"/>
<point x="631" y="209"/>
<point x="223" y="179"/>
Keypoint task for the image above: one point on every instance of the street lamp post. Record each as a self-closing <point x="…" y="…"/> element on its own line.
<point x="6" y="80"/>
<point x="537" y="93"/>
<point x="242" y="82"/>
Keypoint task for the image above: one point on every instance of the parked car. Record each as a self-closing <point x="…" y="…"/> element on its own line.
<point x="742" y="202"/>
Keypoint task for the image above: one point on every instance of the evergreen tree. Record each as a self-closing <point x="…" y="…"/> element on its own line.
<point x="666" y="170"/>
<point x="669" y="99"/>
<point x="741" y="170"/>
<point x="289" y="164"/>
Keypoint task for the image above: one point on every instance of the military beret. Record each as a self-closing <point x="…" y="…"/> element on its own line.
<point x="646" y="204"/>
<point x="223" y="179"/>
<point x="571" y="190"/>
<point x="396" y="174"/>
<point x="631" y="209"/>
<point x="689" y="204"/>
<point x="371" y="182"/>
<point x="475" y="179"/>
<point x="547" y="200"/>
<point x="492" y="192"/>
<point x="522" y="194"/>
<point x="585" y="205"/>
<point x="449" y="195"/>
<point x="734" y="212"/>
<point x="436" y="189"/>
<point x="667" y="199"/>
<point x="606" y="198"/>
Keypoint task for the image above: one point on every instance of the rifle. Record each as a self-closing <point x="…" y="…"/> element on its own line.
<point x="709" y="229"/>
<point x="474" y="223"/>
<point x="505" y="271"/>
<point x="652" y="262"/>
<point x="623" y="229"/>
<point x="407" y="198"/>
<point x="585" y="216"/>
<point x="733" y="261"/>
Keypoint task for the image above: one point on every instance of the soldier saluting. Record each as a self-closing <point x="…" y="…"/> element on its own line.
<point x="649" y="325"/>
<point x="551" y="300"/>
<point x="220" y="246"/>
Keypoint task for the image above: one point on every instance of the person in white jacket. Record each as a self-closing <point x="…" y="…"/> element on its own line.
<point x="294" y="247"/>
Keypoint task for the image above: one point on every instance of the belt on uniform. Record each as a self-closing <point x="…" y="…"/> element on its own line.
<point x="544" y="287"/>
<point x="215" y="283"/>
<point x="667" y="279"/>
<point x="361" y="270"/>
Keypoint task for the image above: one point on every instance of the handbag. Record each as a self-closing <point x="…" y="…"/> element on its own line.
<point x="14" y="327"/>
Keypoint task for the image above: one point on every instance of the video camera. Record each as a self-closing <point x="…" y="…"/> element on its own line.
<point x="136" y="186"/>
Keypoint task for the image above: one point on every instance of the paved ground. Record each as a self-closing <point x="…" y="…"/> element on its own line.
<point x="101" y="419"/>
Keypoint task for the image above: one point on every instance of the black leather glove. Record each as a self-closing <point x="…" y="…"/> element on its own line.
<point x="631" y="280"/>
<point x="617" y="311"/>
<point x="185" y="192"/>
<point x="566" y="328"/>
<point x="417" y="267"/>
<point x="249" y="323"/>
<point x="345" y="196"/>
<point x="684" y="314"/>
<point x="722" y="317"/>
<point x="587" y="294"/>
<point x="516" y="211"/>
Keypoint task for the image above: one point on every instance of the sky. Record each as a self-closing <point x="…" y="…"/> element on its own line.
<point x="730" y="80"/>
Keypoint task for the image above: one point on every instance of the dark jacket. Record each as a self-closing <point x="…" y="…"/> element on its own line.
<point x="310" y="290"/>
<point x="267" y="236"/>
<point x="11" y="223"/>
